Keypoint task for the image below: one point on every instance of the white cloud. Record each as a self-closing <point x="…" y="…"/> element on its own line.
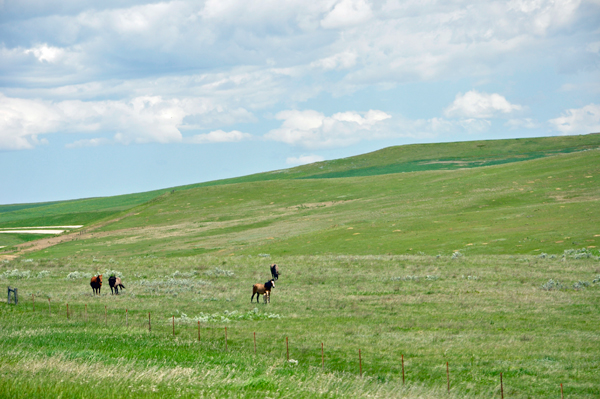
<point x="304" y="159"/>
<point x="312" y="129"/>
<point x="219" y="136"/>
<point x="46" y="53"/>
<point x="88" y="143"/>
<point x="21" y="121"/>
<point x="142" y="119"/>
<point x="344" y="60"/>
<point x="347" y="13"/>
<point x="579" y="120"/>
<point x="480" y="105"/>
<point x="229" y="59"/>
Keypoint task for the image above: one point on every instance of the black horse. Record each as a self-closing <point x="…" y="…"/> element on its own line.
<point x="275" y="271"/>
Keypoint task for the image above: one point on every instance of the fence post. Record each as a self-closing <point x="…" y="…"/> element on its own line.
<point x="67" y="310"/>
<point x="402" y="369"/>
<point x="501" y="387"/>
<point x="33" y="301"/>
<point x="149" y="324"/>
<point x="448" y="376"/>
<point x="173" y="325"/>
<point x="198" y="330"/>
<point x="49" y="310"/>
<point x="562" y="396"/>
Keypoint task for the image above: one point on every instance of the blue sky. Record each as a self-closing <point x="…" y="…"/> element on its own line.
<point x="112" y="97"/>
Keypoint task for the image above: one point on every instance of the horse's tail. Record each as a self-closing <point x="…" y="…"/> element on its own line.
<point x="121" y="285"/>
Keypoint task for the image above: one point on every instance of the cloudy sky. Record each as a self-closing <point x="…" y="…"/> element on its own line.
<point x="108" y="97"/>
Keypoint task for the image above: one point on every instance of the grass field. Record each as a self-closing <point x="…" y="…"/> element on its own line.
<point x="543" y="205"/>
<point x="483" y="255"/>
<point x="482" y="314"/>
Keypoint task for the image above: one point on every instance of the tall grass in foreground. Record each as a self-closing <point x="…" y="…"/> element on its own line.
<point x="482" y="314"/>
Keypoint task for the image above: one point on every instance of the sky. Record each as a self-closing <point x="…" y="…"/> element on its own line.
<point x="100" y="98"/>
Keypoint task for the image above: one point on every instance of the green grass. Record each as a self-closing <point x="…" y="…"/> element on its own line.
<point x="542" y="205"/>
<point x="435" y="252"/>
<point x="481" y="314"/>
<point x="407" y="158"/>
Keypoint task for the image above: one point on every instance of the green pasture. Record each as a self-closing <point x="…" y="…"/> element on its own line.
<point x="480" y="254"/>
<point x="542" y="205"/>
<point x="484" y="315"/>
<point x="398" y="159"/>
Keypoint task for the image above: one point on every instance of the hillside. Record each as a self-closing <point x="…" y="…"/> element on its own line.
<point x="542" y="205"/>
<point x="487" y="266"/>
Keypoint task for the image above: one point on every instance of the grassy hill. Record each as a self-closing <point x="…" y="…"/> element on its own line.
<point x="283" y="185"/>
<point x="480" y="255"/>
<point x="543" y="205"/>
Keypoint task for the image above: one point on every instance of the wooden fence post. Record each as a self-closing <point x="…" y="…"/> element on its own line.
<point x="149" y="324"/>
<point x="49" y="310"/>
<point x="33" y="301"/>
<point x="67" y="310"/>
<point x="448" y="376"/>
<point x="501" y="387"/>
<point x="198" y="330"/>
<point x="173" y="325"/>
<point x="562" y="396"/>
<point x="402" y="369"/>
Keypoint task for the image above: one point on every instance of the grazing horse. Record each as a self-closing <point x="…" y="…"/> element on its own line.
<point x="263" y="289"/>
<point x="96" y="283"/>
<point x="115" y="283"/>
<point x="275" y="271"/>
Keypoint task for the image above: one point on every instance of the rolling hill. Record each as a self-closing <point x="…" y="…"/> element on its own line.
<point x="495" y="197"/>
<point x="446" y="266"/>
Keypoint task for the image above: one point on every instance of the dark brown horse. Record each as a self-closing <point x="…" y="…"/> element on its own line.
<point x="96" y="283"/>
<point x="115" y="283"/>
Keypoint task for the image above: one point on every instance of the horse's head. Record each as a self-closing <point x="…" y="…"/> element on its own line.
<point x="100" y="278"/>
<point x="272" y="283"/>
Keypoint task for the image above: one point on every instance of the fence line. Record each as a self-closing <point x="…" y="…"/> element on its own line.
<point x="69" y="313"/>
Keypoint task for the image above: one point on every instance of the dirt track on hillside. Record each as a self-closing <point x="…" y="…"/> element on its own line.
<point x="44" y="243"/>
